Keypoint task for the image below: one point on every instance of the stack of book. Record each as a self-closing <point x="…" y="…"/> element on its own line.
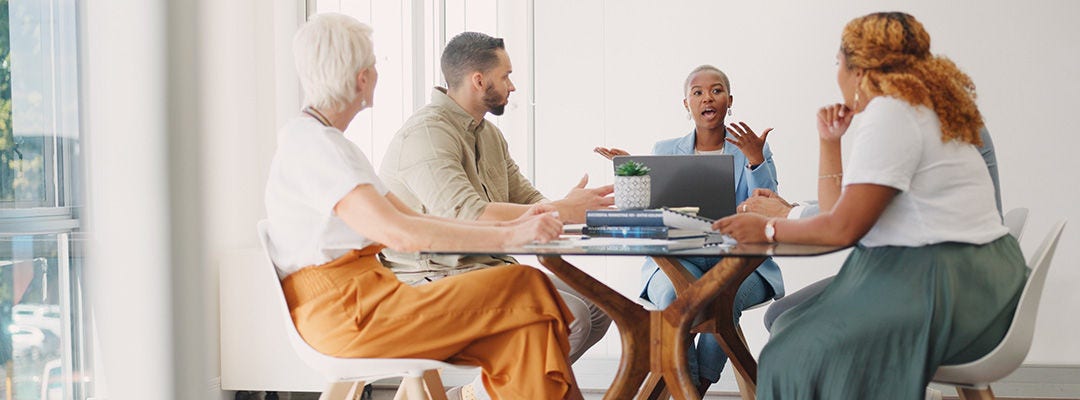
<point x="633" y="224"/>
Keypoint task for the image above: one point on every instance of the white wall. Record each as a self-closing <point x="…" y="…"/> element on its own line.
<point x="609" y="73"/>
<point x="251" y="88"/>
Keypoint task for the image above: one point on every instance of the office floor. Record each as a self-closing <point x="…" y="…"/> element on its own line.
<point x="388" y="394"/>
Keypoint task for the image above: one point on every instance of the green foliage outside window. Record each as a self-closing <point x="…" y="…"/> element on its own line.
<point x="22" y="164"/>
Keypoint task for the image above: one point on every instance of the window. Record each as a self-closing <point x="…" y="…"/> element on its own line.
<point x="41" y="339"/>
<point x="409" y="38"/>
<point x="405" y="78"/>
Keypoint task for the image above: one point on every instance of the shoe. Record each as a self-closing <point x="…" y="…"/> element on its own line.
<point x="453" y="393"/>
<point x="933" y="394"/>
<point x="466" y="392"/>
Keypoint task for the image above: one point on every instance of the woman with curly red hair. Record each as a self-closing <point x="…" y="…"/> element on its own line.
<point x="934" y="277"/>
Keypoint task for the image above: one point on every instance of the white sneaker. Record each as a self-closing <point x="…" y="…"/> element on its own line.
<point x="465" y="392"/>
<point x="933" y="394"/>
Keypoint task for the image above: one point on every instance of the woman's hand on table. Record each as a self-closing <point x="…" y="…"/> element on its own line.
<point x="528" y="228"/>
<point x="751" y="145"/>
<point x="534" y="210"/>
<point x="833" y="121"/>
<point x="610" y="153"/>
<point x="765" y="202"/>
<point x="745" y="227"/>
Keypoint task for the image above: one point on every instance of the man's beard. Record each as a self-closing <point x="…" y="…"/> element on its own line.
<point x="493" y="101"/>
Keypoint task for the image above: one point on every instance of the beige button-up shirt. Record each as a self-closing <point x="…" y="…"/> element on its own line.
<point x="444" y="163"/>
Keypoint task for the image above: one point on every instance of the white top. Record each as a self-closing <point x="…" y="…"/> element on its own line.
<point x="315" y="167"/>
<point x="717" y="151"/>
<point x="946" y="194"/>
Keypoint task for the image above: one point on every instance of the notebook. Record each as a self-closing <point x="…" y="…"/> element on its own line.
<point x="691" y="222"/>
<point x="703" y="181"/>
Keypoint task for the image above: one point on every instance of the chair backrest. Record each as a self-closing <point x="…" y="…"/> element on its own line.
<point x="1014" y="347"/>
<point x="306" y="353"/>
<point x="336" y="368"/>
<point x="1015" y="219"/>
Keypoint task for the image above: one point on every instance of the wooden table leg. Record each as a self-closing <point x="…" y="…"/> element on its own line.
<point x="660" y="347"/>
<point x="729" y="335"/>
<point x="628" y="317"/>
<point x="722" y="280"/>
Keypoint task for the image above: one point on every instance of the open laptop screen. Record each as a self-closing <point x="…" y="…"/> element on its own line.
<point x="703" y="181"/>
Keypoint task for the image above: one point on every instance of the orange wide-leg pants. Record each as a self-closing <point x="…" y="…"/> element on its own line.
<point x="509" y="321"/>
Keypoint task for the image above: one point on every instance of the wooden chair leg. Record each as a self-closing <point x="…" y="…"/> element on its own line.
<point x="414" y="388"/>
<point x="434" y="386"/>
<point x="341" y="390"/>
<point x="746" y="391"/>
<point x="664" y="394"/>
<point x="653" y="388"/>
<point x="400" y="393"/>
<point x="975" y="394"/>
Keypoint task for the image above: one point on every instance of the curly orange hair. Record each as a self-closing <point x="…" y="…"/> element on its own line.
<point x="894" y="51"/>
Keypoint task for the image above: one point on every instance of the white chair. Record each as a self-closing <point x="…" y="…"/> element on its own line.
<point x="346" y="376"/>
<point x="1015" y="219"/>
<point x="973" y="379"/>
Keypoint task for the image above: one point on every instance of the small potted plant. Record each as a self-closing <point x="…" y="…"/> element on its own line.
<point x="632" y="186"/>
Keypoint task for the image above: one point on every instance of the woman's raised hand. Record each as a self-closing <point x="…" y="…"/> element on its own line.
<point x="752" y="145"/>
<point x="833" y="121"/>
<point x="610" y="153"/>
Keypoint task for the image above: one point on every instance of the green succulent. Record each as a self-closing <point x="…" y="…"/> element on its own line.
<point x="631" y="168"/>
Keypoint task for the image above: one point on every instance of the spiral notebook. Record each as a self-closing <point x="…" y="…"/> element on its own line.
<point x="681" y="220"/>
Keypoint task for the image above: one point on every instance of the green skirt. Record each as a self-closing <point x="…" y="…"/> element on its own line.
<point x="890" y="318"/>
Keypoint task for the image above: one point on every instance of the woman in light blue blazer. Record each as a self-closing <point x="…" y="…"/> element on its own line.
<point x="708" y="100"/>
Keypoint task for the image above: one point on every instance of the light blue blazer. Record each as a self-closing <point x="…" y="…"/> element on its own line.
<point x="746" y="180"/>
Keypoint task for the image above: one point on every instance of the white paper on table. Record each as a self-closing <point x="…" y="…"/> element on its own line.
<point x="580" y="242"/>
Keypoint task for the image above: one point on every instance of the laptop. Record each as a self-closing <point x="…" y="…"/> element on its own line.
<point x="703" y="181"/>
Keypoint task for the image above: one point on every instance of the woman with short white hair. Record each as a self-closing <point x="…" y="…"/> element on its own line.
<point x="329" y="215"/>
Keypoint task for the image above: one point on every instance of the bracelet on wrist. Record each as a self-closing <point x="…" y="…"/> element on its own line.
<point x="836" y="177"/>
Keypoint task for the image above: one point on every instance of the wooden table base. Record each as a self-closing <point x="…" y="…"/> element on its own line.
<point x="655" y="343"/>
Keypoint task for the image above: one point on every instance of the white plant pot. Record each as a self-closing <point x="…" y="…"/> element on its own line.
<point x="632" y="192"/>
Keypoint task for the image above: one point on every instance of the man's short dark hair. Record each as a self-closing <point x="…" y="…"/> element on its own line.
<point x="469" y="52"/>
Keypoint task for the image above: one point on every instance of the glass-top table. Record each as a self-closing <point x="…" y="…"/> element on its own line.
<point x="654" y="342"/>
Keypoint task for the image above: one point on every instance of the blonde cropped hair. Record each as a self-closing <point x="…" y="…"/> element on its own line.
<point x="893" y="49"/>
<point x="330" y="50"/>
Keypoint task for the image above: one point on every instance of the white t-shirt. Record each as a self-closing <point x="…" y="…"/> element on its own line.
<point x="315" y="167"/>
<point x="946" y="194"/>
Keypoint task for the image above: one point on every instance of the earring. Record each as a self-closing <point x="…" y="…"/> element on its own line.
<point x="363" y="103"/>
<point x="856" y="100"/>
<point x="688" y="116"/>
<point x="729" y="112"/>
